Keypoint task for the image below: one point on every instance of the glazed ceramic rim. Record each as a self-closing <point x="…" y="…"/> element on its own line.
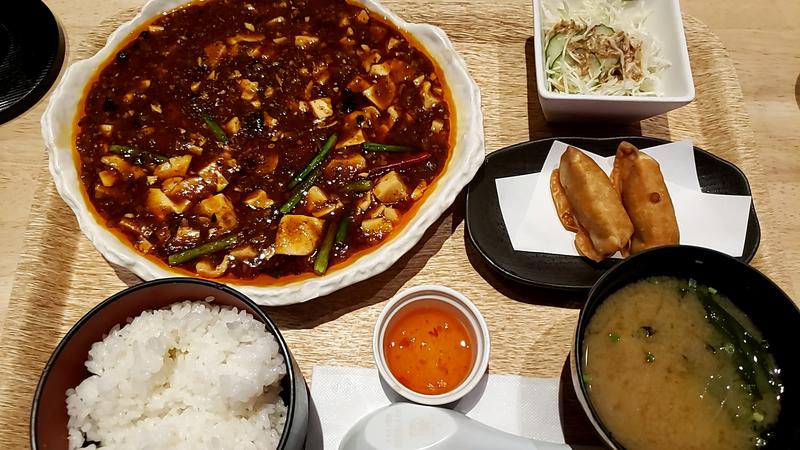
<point x="121" y="296"/>
<point x="452" y="298"/>
<point x="465" y="160"/>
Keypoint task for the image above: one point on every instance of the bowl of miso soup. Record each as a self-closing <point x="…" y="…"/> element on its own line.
<point x="685" y="347"/>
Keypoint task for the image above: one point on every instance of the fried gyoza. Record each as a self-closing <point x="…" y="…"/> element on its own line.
<point x="587" y="203"/>
<point x="638" y="179"/>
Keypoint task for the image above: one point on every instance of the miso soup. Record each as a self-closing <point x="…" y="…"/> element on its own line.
<point x="672" y="364"/>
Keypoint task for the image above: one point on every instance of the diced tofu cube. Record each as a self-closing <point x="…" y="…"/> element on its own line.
<point x="362" y="16"/>
<point x="394" y="114"/>
<point x="206" y="269"/>
<point x="373" y="57"/>
<point x="391" y="188"/>
<point x="377" y="211"/>
<point x="371" y="113"/>
<point x="354" y="139"/>
<point x="244" y="252"/>
<point x="358" y="84"/>
<point x="327" y="208"/>
<point x="298" y="235"/>
<point x="233" y="126"/>
<point x="322" y="107"/>
<point x="221" y="208"/>
<point x="175" y="167"/>
<point x="212" y="204"/>
<point x="382" y="93"/>
<point x="377" y="227"/>
<point x="258" y="199"/>
<point x="212" y="174"/>
<point x="419" y="190"/>
<point x="346" y="166"/>
<point x="363" y="203"/>
<point x="170" y="185"/>
<point x="428" y="98"/>
<point x="143" y="245"/>
<point x="107" y="177"/>
<point x="123" y="167"/>
<point x="316" y="197"/>
<point x="391" y="214"/>
<point x="249" y="89"/>
<point x="380" y="69"/>
<point x="304" y="42"/>
<point x="161" y="206"/>
<point x="269" y="120"/>
<point x="187" y="233"/>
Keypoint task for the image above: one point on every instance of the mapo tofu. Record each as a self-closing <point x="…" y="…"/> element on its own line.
<point x="247" y="138"/>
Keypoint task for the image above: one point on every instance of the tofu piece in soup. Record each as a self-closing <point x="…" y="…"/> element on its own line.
<point x="298" y="235"/>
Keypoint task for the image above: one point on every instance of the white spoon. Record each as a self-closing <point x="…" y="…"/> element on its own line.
<point x="408" y="426"/>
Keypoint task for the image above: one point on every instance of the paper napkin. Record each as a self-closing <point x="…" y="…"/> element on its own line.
<point x="341" y="396"/>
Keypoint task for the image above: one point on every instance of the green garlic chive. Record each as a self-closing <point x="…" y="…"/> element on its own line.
<point x="613" y="336"/>
<point x="649" y="357"/>
<point x="712" y="291"/>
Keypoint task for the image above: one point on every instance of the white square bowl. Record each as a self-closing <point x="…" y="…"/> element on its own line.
<point x="666" y="26"/>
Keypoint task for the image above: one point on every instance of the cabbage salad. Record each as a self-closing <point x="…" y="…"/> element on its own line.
<point x="600" y="47"/>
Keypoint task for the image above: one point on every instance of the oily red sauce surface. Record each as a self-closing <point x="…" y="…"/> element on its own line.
<point x="428" y="349"/>
<point x="154" y="94"/>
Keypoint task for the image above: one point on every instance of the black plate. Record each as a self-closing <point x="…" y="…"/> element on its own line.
<point x="487" y="231"/>
<point x="31" y="55"/>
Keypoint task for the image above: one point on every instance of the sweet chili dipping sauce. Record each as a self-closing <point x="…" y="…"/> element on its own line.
<point x="428" y="349"/>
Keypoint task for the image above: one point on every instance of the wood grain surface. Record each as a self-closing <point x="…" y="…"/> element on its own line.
<point x="51" y="274"/>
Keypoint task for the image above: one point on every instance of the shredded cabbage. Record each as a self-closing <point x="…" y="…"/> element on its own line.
<point x="565" y="75"/>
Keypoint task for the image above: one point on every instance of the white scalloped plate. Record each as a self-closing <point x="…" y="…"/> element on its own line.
<point x="468" y="153"/>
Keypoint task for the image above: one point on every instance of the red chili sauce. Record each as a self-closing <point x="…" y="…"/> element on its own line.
<point x="428" y="349"/>
<point x="195" y="138"/>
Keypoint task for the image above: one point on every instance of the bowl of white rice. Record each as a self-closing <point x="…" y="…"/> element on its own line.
<point x="176" y="363"/>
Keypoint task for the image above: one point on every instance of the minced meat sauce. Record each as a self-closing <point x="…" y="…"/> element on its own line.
<point x="245" y="138"/>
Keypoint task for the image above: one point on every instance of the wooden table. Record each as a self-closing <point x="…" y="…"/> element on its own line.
<point x="761" y="41"/>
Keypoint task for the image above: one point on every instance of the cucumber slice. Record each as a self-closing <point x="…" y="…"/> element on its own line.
<point x="595" y="67"/>
<point x="608" y="63"/>
<point x="604" y="30"/>
<point x="555" y="48"/>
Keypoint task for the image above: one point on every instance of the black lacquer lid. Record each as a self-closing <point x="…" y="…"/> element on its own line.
<point x="31" y="54"/>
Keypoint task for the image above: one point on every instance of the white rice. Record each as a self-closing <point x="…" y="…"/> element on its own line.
<point x="191" y="376"/>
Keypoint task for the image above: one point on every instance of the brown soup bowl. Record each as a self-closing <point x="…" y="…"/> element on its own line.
<point x="769" y="308"/>
<point x="66" y="368"/>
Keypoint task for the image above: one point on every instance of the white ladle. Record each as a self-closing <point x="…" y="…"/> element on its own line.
<point x="408" y="426"/>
